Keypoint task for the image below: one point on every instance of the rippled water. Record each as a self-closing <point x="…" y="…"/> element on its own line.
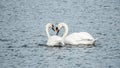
<point x="23" y="37"/>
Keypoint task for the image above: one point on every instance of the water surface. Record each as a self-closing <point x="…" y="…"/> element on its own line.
<point x="23" y="37"/>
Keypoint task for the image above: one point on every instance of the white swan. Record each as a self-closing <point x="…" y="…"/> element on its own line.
<point x="75" y="38"/>
<point x="53" y="40"/>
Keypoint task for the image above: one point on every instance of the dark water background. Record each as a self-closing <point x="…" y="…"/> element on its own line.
<point x="23" y="37"/>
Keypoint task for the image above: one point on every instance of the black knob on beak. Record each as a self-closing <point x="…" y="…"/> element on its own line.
<point x="57" y="30"/>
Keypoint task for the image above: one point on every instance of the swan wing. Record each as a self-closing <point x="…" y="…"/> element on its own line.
<point x="79" y="38"/>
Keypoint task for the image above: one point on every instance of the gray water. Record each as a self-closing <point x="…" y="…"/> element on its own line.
<point x="23" y="37"/>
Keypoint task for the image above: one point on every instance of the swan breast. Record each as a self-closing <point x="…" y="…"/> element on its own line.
<point x="55" y="41"/>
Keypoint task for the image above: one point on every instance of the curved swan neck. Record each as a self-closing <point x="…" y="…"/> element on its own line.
<point x="48" y="35"/>
<point x="66" y="30"/>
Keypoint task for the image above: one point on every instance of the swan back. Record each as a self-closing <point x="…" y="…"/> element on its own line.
<point x="79" y="38"/>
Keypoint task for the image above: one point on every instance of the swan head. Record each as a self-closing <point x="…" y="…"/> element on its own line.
<point x="57" y="30"/>
<point x="59" y="26"/>
<point x="51" y="26"/>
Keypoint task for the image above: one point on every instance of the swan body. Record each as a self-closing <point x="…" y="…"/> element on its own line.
<point x="75" y="38"/>
<point x="53" y="40"/>
<point x="79" y="38"/>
